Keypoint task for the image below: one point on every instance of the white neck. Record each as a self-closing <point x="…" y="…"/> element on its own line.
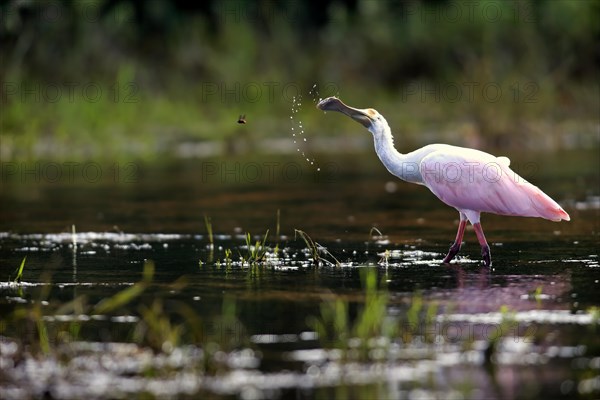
<point x="404" y="166"/>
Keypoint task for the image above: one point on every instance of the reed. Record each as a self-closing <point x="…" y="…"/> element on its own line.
<point x="315" y="250"/>
<point x="256" y="253"/>
<point x="19" y="271"/>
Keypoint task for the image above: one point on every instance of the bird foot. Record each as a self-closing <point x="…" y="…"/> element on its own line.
<point x="452" y="252"/>
<point x="486" y="255"/>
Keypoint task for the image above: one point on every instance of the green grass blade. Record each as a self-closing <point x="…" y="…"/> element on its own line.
<point x="209" y="229"/>
<point x="19" y="271"/>
<point x="126" y="296"/>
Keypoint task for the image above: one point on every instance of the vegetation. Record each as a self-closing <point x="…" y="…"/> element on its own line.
<point x="167" y="337"/>
<point x="156" y="327"/>
<point x="357" y="337"/>
<point x="255" y="253"/>
<point x="19" y="271"/>
<point x="209" y="231"/>
<point x="116" y="78"/>
<point x="259" y="254"/>
<point x="316" y="251"/>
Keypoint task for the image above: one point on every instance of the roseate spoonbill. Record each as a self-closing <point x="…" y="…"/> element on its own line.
<point x="469" y="180"/>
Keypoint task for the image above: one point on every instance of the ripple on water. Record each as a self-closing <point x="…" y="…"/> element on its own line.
<point x="87" y="237"/>
<point x="531" y="316"/>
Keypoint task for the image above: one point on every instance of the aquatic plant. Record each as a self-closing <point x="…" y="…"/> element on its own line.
<point x="310" y="245"/>
<point x="73" y="236"/>
<point x="127" y="295"/>
<point x="372" y="321"/>
<point x="255" y="253"/>
<point x="19" y="271"/>
<point x="228" y="258"/>
<point x="368" y="334"/>
<point x="155" y="328"/>
<point x="419" y="321"/>
<point x="315" y="249"/>
<point x="355" y="337"/>
<point x="159" y="324"/>
<point x="277" y="232"/>
<point x="25" y="317"/>
<point x="209" y="231"/>
<point x="377" y="231"/>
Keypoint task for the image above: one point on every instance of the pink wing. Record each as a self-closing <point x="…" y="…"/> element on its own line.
<point x="469" y="179"/>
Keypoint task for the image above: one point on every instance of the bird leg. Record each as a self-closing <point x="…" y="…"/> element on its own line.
<point x="457" y="242"/>
<point x="485" y="248"/>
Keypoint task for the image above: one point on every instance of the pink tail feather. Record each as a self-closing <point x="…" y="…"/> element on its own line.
<point x="548" y="208"/>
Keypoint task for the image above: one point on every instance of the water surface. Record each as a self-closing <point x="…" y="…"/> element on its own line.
<point x="526" y="328"/>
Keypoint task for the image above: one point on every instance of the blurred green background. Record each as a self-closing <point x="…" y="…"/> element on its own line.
<point x="122" y="78"/>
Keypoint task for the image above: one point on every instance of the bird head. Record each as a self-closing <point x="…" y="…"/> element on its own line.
<point x="366" y="117"/>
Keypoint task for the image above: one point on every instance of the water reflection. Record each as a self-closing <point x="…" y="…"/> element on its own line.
<point x="526" y="328"/>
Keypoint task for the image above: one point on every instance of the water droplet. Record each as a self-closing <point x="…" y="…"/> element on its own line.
<point x="298" y="127"/>
<point x="318" y="169"/>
